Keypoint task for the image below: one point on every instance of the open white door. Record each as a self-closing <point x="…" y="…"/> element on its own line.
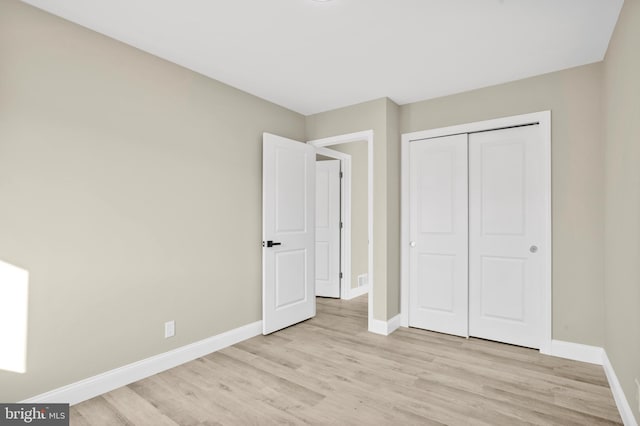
<point x="328" y="228"/>
<point x="288" y="232"/>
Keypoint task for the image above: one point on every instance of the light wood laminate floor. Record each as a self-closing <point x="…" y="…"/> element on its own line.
<point x="330" y="370"/>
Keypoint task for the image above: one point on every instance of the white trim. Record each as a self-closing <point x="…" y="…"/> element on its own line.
<point x="357" y="292"/>
<point x="102" y="383"/>
<point x="404" y="230"/>
<point x="576" y="351"/>
<point x="378" y="327"/>
<point x="596" y="355"/>
<point x="547" y="298"/>
<point x="544" y="119"/>
<point x="385" y="328"/>
<point x="366" y="135"/>
<point x="393" y="324"/>
<point x="618" y="394"/>
<point x="345" y="215"/>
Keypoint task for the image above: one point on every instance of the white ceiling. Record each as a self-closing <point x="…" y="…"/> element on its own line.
<point x="313" y="56"/>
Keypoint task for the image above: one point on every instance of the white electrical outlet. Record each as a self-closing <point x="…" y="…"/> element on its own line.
<point x="169" y="329"/>
<point x="363" y="280"/>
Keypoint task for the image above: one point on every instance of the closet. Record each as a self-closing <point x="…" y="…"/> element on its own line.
<point x="477" y="234"/>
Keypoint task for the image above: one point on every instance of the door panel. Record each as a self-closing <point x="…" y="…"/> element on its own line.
<point x="502" y="188"/>
<point x="436" y="273"/>
<point x="503" y="279"/>
<point x="290" y="269"/>
<point x="506" y="211"/>
<point x="438" y="232"/>
<point x="322" y="262"/>
<point x="328" y="228"/>
<point x="288" y="221"/>
<point x="290" y="190"/>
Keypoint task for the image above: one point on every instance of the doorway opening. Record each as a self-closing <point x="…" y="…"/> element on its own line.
<point x="345" y="148"/>
<point x="341" y="214"/>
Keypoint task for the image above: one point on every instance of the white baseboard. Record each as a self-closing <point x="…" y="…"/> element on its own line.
<point x="596" y="355"/>
<point x="618" y="394"/>
<point x="378" y="327"/>
<point x="576" y="351"/>
<point x="357" y="292"/>
<point x="393" y="324"/>
<point x="122" y="376"/>
<point x="385" y="327"/>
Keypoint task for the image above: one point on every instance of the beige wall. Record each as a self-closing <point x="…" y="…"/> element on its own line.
<point x="115" y="177"/>
<point x="393" y="209"/>
<point x="574" y="98"/>
<point x="622" y="184"/>
<point x="359" y="208"/>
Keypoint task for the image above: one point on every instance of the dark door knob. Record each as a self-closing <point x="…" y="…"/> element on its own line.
<point x="270" y="244"/>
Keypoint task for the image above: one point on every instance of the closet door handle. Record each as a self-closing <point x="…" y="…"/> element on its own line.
<point x="533" y="249"/>
<point x="412" y="244"/>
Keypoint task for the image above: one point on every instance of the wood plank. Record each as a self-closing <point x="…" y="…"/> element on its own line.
<point x="330" y="370"/>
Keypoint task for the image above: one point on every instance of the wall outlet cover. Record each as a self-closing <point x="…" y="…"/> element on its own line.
<point x="169" y="329"/>
<point x="363" y="280"/>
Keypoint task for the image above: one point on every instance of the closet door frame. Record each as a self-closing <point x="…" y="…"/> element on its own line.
<point x="543" y="118"/>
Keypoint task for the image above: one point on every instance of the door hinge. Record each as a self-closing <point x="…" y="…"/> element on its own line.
<point x="340" y="275"/>
<point x="341" y="175"/>
<point x="341" y="225"/>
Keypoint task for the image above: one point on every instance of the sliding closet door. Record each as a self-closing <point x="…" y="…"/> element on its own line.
<point x="506" y="235"/>
<point x="438" y="234"/>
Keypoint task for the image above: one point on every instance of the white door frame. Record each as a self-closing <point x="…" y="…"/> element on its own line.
<point x="544" y="120"/>
<point x="366" y="135"/>
<point x="345" y="217"/>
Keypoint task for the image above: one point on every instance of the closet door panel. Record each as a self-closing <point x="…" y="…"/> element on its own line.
<point x="506" y="228"/>
<point x="439" y="234"/>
